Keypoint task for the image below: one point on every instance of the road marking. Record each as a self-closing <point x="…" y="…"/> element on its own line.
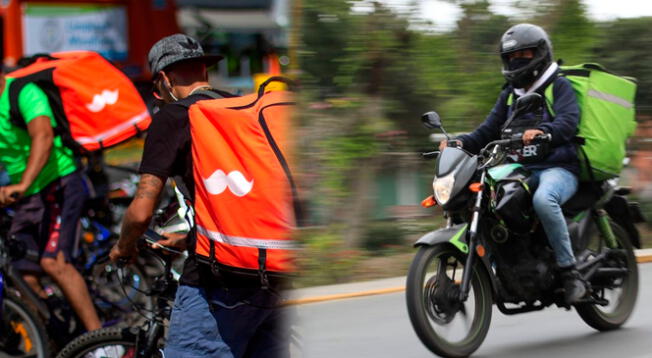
<point x="641" y="257"/>
<point x="644" y="259"/>
<point x="340" y="296"/>
<point x="644" y="255"/>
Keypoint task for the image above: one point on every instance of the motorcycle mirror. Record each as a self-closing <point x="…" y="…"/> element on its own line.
<point x="527" y="103"/>
<point x="431" y="120"/>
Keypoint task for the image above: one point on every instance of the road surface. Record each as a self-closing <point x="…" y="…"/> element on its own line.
<point x="378" y="326"/>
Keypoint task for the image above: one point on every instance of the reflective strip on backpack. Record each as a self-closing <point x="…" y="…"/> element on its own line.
<point x="610" y="98"/>
<point x="113" y="131"/>
<point x="246" y="241"/>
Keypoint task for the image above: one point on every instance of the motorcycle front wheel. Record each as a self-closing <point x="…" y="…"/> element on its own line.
<point x="444" y="324"/>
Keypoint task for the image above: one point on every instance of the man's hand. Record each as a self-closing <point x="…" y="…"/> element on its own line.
<point x="444" y="143"/>
<point x="121" y="251"/>
<point x="529" y="135"/>
<point x="172" y="240"/>
<point x="11" y="193"/>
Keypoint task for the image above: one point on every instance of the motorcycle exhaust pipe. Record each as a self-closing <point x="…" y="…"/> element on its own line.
<point x="611" y="272"/>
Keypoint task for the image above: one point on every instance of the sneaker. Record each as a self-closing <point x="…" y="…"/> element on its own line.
<point x="574" y="287"/>
<point x="107" y="352"/>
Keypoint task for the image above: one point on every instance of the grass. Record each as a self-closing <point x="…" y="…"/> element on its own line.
<point x="385" y="251"/>
<point x="646" y="235"/>
<point x="325" y="261"/>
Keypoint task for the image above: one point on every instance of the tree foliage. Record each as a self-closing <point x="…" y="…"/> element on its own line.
<point x="377" y="70"/>
<point x="625" y="48"/>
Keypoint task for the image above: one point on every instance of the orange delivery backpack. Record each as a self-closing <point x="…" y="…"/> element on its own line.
<point x="94" y="104"/>
<point x="245" y="196"/>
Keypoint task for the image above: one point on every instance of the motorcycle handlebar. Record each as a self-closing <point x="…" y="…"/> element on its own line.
<point x="542" y="138"/>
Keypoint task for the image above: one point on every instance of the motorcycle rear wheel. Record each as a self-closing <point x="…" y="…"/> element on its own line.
<point x="434" y="308"/>
<point x="622" y="299"/>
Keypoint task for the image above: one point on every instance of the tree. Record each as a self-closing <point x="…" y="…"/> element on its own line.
<point x="572" y="33"/>
<point x="625" y="48"/>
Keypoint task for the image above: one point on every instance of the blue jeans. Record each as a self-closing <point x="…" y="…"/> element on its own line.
<point x="215" y="323"/>
<point x="554" y="186"/>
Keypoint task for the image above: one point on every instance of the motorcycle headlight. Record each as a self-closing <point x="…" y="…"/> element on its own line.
<point x="443" y="187"/>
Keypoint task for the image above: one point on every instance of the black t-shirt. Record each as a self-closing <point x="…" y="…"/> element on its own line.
<point x="167" y="154"/>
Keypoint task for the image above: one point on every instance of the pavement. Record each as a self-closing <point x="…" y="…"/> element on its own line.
<point x="377" y="326"/>
<point x="377" y="287"/>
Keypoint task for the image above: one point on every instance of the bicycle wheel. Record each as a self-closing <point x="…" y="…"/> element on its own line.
<point x="120" y="294"/>
<point x="106" y="342"/>
<point x="22" y="334"/>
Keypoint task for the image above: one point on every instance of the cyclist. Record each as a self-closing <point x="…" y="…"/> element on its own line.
<point x="47" y="193"/>
<point x="209" y="318"/>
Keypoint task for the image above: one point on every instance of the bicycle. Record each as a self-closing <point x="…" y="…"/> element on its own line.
<point x="22" y="333"/>
<point x="54" y="315"/>
<point x="144" y="341"/>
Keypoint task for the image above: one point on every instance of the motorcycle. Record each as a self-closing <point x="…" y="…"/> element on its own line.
<point x="494" y="250"/>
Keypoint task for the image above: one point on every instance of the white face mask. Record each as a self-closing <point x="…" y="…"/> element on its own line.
<point x="169" y="89"/>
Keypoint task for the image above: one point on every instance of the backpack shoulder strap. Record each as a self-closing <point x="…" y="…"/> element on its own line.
<point x="549" y="97"/>
<point x="211" y="93"/>
<point x="262" y="88"/>
<point x="510" y="99"/>
<point x="549" y="93"/>
<point x="216" y="93"/>
<point x="15" y="116"/>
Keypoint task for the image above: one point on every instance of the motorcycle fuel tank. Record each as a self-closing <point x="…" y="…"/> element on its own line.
<point x="512" y="171"/>
<point x="513" y="199"/>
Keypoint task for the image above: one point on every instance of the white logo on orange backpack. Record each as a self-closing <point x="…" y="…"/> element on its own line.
<point x="235" y="181"/>
<point x="102" y="100"/>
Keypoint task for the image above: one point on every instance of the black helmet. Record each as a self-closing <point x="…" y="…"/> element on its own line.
<point x="522" y="37"/>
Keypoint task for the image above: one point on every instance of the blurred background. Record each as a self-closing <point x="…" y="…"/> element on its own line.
<point x="252" y="35"/>
<point x="369" y="69"/>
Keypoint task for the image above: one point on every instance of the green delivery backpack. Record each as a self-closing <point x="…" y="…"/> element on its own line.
<point x="607" y="118"/>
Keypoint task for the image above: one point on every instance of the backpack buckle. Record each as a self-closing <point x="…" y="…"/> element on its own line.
<point x="264" y="280"/>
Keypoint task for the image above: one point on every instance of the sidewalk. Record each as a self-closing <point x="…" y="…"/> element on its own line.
<point x="644" y="255"/>
<point x="377" y="287"/>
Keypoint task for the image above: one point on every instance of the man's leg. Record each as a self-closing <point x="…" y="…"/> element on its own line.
<point x="57" y="258"/>
<point x="25" y="227"/>
<point x="35" y="284"/>
<point x="273" y="336"/>
<point x="74" y="288"/>
<point x="193" y="330"/>
<point x="253" y="323"/>
<point x="556" y="186"/>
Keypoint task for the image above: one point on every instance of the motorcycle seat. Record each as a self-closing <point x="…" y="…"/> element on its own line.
<point x="586" y="196"/>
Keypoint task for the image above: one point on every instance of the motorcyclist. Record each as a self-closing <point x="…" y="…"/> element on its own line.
<point x="528" y="66"/>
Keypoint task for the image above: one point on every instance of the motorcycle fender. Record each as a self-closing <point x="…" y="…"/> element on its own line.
<point x="456" y="235"/>
<point x="626" y="214"/>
